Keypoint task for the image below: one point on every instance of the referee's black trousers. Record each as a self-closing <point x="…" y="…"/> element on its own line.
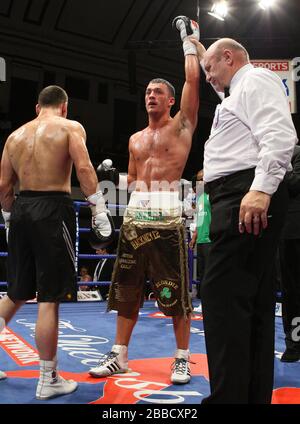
<point x="290" y="273"/>
<point x="238" y="295"/>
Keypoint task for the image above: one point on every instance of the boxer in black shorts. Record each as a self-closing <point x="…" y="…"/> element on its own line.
<point x="42" y="242"/>
<point x="40" y="223"/>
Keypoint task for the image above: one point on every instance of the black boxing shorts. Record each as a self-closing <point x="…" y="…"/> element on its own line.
<point x="41" y="247"/>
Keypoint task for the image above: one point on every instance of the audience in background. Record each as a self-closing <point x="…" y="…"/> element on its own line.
<point x="84" y="276"/>
<point x="103" y="270"/>
<point x="201" y="227"/>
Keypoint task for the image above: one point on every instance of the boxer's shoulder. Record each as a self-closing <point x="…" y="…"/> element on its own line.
<point x="136" y="136"/>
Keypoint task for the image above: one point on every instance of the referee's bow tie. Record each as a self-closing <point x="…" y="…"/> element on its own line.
<point x="226" y="92"/>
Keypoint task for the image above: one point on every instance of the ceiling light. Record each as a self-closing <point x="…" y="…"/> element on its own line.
<point x="219" y="10"/>
<point x="266" y="4"/>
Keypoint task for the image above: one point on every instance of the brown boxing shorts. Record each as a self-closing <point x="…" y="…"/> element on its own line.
<point x="158" y="254"/>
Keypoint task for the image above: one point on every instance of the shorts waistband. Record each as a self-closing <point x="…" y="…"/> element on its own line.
<point x="36" y="193"/>
<point x="154" y="207"/>
<point x="156" y="200"/>
<point x="212" y="185"/>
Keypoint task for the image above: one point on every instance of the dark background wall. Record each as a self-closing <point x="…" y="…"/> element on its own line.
<point x="104" y="53"/>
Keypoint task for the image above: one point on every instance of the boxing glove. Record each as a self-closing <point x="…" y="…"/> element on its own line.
<point x="102" y="230"/>
<point x="6" y="218"/>
<point x="106" y="172"/>
<point x="187" y="28"/>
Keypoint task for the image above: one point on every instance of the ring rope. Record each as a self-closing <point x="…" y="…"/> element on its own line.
<point x="78" y="205"/>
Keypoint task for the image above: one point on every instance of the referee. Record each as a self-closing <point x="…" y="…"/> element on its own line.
<point x="245" y="159"/>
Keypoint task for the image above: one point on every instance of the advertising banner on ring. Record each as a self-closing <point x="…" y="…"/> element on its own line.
<point x="284" y="69"/>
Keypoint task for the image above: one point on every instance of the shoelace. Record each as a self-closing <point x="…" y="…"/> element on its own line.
<point x="180" y="365"/>
<point x="108" y="357"/>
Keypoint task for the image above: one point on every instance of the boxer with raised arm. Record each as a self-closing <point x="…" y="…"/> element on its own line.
<point x="152" y="238"/>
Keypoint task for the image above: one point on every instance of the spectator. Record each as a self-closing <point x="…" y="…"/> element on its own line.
<point x="202" y="226"/>
<point x="84" y="276"/>
<point x="104" y="269"/>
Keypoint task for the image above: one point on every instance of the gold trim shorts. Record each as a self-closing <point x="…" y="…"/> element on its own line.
<point x="157" y="253"/>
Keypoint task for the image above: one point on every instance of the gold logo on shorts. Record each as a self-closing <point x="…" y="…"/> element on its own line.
<point x="166" y="283"/>
<point x="168" y="290"/>
<point x="130" y="233"/>
<point x="145" y="238"/>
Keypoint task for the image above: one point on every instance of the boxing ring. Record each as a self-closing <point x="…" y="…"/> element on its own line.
<point x="89" y="256"/>
<point x="78" y="256"/>
<point x="86" y="333"/>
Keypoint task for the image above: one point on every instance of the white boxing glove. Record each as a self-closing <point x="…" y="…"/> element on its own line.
<point x="187" y="28"/>
<point x="6" y="218"/>
<point x="102" y="231"/>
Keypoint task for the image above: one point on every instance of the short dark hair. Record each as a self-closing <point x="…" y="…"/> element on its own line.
<point x="53" y="95"/>
<point x="195" y="179"/>
<point x="167" y="83"/>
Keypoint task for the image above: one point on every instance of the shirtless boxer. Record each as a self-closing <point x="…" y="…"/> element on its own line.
<point x="152" y="238"/>
<point x="41" y="223"/>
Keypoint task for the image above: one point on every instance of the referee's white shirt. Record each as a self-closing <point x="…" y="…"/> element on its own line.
<point x="252" y="128"/>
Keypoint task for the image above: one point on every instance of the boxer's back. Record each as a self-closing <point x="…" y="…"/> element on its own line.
<point x="39" y="154"/>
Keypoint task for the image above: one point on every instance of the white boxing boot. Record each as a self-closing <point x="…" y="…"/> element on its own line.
<point x="51" y="384"/>
<point x="181" y="373"/>
<point x="113" y="362"/>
